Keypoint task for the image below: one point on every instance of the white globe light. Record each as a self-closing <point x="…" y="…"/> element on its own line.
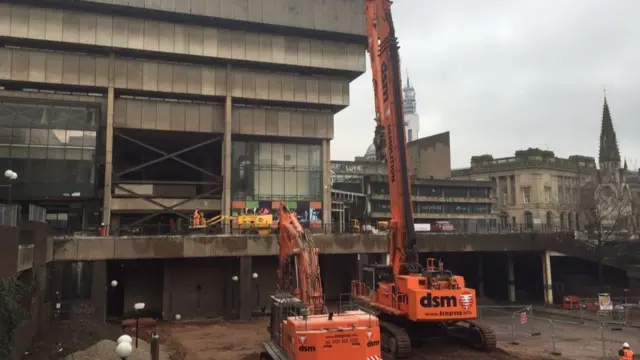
<point x="114" y="283"/>
<point x="234" y="278"/>
<point x="124" y="338"/>
<point x="178" y="317"/>
<point x="13" y="176"/>
<point x="8" y="173"/>
<point x="255" y="275"/>
<point x="138" y="306"/>
<point x="124" y="349"/>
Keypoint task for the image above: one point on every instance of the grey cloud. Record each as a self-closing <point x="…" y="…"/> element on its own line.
<point x="506" y="75"/>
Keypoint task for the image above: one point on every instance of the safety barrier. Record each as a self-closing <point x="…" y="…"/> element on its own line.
<point x="625" y="311"/>
<point x="552" y="334"/>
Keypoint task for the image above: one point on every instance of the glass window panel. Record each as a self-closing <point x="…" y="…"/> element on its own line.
<point x="4" y="151"/>
<point x="6" y="136"/>
<point x="89" y="139"/>
<point x="7" y="115"/>
<point x="290" y="156"/>
<point x="315" y="158"/>
<point x="38" y="152"/>
<point x="28" y="115"/>
<point x="238" y="150"/>
<point x="19" y="152"/>
<point x="85" y="169"/>
<point x="20" y="136"/>
<point x="92" y="118"/>
<point x="55" y="170"/>
<point x="73" y="154"/>
<point x="277" y="153"/>
<point x="303" y="157"/>
<point x="303" y="184"/>
<point x="39" y="137"/>
<point x="76" y="118"/>
<point x="55" y="153"/>
<point x="88" y="154"/>
<point x="264" y="154"/>
<point x="315" y="185"/>
<point x="262" y="182"/>
<point x="290" y="184"/>
<point x="277" y="184"/>
<point x="73" y="138"/>
<point x="57" y="137"/>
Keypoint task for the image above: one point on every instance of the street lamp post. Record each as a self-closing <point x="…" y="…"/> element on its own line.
<point x="123" y="347"/>
<point x="234" y="300"/>
<point x="10" y="175"/>
<point x="255" y="277"/>
<point x="138" y="307"/>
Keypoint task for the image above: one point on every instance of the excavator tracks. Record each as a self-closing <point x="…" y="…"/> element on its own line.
<point x="481" y="337"/>
<point x="395" y="341"/>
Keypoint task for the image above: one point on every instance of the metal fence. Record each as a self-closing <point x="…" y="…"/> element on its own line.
<point x="554" y="335"/>
<point x="626" y="311"/>
<point x="9" y="215"/>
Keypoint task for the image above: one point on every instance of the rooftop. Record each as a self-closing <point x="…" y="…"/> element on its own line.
<point x="530" y="158"/>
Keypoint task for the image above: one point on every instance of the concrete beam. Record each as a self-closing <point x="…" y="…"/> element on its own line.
<point x="150" y="247"/>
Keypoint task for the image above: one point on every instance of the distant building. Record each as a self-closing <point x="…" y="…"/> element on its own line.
<point x="430" y="157"/>
<point x="411" y="117"/>
<point x="534" y="186"/>
<point x="466" y="204"/>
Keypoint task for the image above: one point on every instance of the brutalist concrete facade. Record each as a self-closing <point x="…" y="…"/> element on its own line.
<point x="206" y="70"/>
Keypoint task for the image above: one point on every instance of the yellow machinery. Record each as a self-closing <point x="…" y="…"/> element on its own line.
<point x="354" y="226"/>
<point x="209" y="225"/>
<point x="252" y="222"/>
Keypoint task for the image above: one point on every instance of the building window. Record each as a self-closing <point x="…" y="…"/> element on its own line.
<point x="52" y="148"/>
<point x="455" y="192"/>
<point x="482" y="193"/>
<point x="526" y="195"/>
<point x="547" y="194"/>
<point x="276" y="171"/>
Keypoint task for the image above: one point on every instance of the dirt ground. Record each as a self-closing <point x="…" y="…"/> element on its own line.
<point x="241" y="341"/>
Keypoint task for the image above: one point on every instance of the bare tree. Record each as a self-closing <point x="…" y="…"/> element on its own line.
<point x="606" y="213"/>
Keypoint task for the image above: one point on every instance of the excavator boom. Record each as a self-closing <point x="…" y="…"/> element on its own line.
<point x="412" y="302"/>
<point x="301" y="326"/>
<point x="390" y="135"/>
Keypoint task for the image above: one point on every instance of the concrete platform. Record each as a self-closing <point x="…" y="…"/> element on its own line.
<point x="156" y="247"/>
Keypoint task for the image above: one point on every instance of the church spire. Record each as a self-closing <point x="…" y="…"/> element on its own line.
<point x="609" y="151"/>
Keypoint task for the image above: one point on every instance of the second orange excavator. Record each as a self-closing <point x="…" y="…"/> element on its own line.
<point x="412" y="302"/>
<point x="301" y="327"/>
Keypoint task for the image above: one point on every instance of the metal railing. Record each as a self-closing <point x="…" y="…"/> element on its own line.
<point x="180" y="228"/>
<point x="553" y="334"/>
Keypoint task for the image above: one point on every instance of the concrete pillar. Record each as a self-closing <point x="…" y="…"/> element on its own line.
<point x="546" y="277"/>
<point x="108" y="153"/>
<point x="326" y="185"/>
<point x="246" y="288"/>
<point x="480" y="288"/>
<point x="510" y="200"/>
<point x="511" y="279"/>
<point x="226" y="153"/>
<point x="363" y="259"/>
<point x="99" y="289"/>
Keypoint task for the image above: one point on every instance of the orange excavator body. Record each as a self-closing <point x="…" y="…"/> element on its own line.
<point x="301" y="326"/>
<point x="411" y="301"/>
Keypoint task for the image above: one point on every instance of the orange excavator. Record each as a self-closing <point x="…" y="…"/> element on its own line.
<point x="413" y="303"/>
<point x="301" y="327"/>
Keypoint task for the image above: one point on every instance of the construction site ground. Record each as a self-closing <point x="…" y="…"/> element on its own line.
<point x="219" y="340"/>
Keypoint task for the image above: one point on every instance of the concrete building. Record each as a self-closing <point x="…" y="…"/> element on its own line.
<point x="430" y="157"/>
<point x="466" y="204"/>
<point x="534" y="187"/>
<point x="131" y="112"/>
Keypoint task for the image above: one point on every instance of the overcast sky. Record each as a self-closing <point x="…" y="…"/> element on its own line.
<point x="505" y="75"/>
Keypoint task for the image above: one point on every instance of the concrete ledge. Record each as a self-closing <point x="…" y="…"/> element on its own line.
<point x="25" y="257"/>
<point x="149" y="247"/>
